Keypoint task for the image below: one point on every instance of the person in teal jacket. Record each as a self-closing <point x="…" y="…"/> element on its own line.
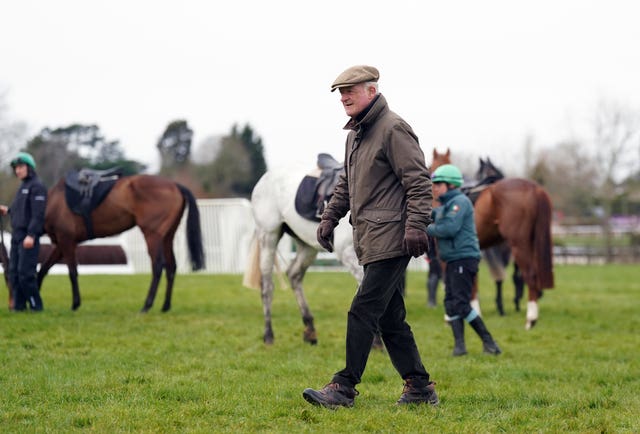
<point x="455" y="230"/>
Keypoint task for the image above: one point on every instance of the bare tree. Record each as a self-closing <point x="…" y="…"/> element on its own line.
<point x="617" y="143"/>
<point x="12" y="134"/>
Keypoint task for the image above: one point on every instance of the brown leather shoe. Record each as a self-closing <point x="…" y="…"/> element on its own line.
<point x="332" y="396"/>
<point x="416" y="393"/>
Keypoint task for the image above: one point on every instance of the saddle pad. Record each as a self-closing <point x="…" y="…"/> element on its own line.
<point x="307" y="198"/>
<point x="80" y="204"/>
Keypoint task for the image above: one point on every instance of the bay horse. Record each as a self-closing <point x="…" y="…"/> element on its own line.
<point x="273" y="204"/>
<point x="516" y="211"/>
<point x="153" y="203"/>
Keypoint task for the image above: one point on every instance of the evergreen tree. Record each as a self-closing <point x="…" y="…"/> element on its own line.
<point x="175" y="144"/>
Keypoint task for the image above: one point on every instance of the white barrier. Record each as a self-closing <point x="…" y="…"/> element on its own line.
<point x="227" y="230"/>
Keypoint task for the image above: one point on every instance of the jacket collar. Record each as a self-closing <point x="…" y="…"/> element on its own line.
<point x="450" y="195"/>
<point x="369" y="115"/>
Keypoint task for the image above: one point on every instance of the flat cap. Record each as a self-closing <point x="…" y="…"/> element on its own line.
<point x="354" y="75"/>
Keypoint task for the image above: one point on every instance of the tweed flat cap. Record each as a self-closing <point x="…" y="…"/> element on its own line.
<point x="354" y="75"/>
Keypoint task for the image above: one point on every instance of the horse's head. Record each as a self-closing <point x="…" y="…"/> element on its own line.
<point x="487" y="170"/>
<point x="440" y="159"/>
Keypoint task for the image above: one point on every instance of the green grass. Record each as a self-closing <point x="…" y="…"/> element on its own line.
<point x="202" y="367"/>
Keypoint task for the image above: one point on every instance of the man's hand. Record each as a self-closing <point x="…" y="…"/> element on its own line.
<point x="415" y="242"/>
<point x="325" y="234"/>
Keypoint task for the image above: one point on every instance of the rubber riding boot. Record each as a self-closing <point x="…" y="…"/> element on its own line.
<point x="488" y="344"/>
<point x="418" y="391"/>
<point x="432" y="290"/>
<point x="332" y="396"/>
<point x="457" y="326"/>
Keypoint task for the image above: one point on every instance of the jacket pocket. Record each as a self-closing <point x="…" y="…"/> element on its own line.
<point x="382" y="231"/>
<point x="381" y="215"/>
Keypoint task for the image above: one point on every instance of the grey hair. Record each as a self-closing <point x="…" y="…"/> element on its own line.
<point x="374" y="84"/>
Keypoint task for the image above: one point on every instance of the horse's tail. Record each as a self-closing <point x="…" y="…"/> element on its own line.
<point x="194" y="232"/>
<point x="543" y="248"/>
<point x="252" y="275"/>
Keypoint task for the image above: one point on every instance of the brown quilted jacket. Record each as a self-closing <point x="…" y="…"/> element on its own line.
<point x="385" y="185"/>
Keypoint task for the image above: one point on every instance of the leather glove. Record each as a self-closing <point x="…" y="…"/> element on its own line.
<point x="415" y="242"/>
<point x="325" y="234"/>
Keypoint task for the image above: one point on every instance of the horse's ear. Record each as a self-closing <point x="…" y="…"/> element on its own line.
<point x="448" y="152"/>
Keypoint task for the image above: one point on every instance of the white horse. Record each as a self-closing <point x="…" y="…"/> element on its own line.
<point x="274" y="211"/>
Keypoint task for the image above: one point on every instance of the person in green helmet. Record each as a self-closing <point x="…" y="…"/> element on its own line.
<point x="27" y="223"/>
<point x="454" y="228"/>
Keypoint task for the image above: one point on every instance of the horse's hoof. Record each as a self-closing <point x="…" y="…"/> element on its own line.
<point x="310" y="336"/>
<point x="144" y="310"/>
<point x="268" y="340"/>
<point x="75" y="306"/>
<point x="530" y="324"/>
<point x="166" y="308"/>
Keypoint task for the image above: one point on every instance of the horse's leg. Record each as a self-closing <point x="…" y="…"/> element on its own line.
<point x="305" y="255"/>
<point x="499" y="304"/>
<point x="532" y="308"/>
<point x="170" y="271"/>
<point x="497" y="258"/>
<point x="69" y="254"/>
<point x="268" y="243"/>
<point x="518" y="283"/>
<point x="475" y="301"/>
<point x="154" y="248"/>
<point x="526" y="268"/>
<point x="49" y="261"/>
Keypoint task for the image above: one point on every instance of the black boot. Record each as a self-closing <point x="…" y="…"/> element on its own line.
<point x="332" y="396"/>
<point x="488" y="344"/>
<point x="457" y="326"/>
<point x="418" y="391"/>
<point x="432" y="289"/>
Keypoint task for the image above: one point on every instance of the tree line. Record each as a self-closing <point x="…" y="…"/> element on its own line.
<point x="237" y="163"/>
<point x="589" y="179"/>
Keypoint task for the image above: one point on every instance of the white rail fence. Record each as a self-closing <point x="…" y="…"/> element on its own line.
<point x="227" y="231"/>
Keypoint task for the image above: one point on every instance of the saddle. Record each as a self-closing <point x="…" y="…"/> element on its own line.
<point x="316" y="189"/>
<point x="473" y="191"/>
<point x="85" y="189"/>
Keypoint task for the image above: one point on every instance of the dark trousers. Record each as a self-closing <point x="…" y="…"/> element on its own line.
<point x="458" y="282"/>
<point x="23" y="265"/>
<point x="379" y="305"/>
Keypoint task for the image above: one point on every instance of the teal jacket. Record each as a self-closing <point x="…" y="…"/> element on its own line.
<point x="454" y="227"/>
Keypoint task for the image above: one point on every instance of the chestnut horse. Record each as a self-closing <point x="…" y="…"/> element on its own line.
<point x="498" y="256"/>
<point x="153" y="203"/>
<point x="517" y="211"/>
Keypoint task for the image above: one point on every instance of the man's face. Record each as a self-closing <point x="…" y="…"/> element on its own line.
<point x="21" y="170"/>
<point x="356" y="98"/>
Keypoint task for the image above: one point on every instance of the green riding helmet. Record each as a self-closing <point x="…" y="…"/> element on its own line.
<point x="23" y="158"/>
<point x="448" y="173"/>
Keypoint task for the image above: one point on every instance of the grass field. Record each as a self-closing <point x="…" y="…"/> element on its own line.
<point x="202" y="367"/>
